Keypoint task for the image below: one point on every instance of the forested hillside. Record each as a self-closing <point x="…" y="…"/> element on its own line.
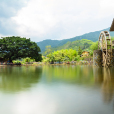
<point x="93" y="36"/>
<point x="84" y="44"/>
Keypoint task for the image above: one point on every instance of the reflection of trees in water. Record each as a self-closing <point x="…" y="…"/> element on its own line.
<point x="18" y="78"/>
<point x="108" y="84"/>
<point x="98" y="75"/>
<point x="68" y="73"/>
<point x="105" y="77"/>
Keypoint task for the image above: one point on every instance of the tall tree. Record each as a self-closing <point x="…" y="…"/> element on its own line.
<point x="79" y="51"/>
<point x="14" y="47"/>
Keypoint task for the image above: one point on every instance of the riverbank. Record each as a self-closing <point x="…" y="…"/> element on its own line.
<point x="49" y="63"/>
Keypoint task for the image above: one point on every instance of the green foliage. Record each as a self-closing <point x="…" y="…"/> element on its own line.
<point x="66" y="59"/>
<point x="23" y="60"/>
<point x="77" y="58"/>
<point x="27" y="59"/>
<point x="48" y="50"/>
<point x="62" y="55"/>
<point x="83" y="44"/>
<point x="93" y="36"/>
<point x="94" y="46"/>
<point x="51" y="57"/>
<point x="79" y="51"/>
<point x="112" y="38"/>
<point x="70" y="54"/>
<point x="16" y="61"/>
<point x="91" y="53"/>
<point x="15" y="47"/>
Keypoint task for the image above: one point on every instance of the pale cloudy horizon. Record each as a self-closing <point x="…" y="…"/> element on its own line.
<point x="54" y="19"/>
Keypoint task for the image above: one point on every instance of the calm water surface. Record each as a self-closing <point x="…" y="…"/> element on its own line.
<point x="56" y="90"/>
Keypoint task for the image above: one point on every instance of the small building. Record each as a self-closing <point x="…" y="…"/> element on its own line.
<point x="85" y="54"/>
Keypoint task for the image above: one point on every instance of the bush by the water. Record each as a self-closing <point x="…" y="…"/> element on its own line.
<point x="24" y="60"/>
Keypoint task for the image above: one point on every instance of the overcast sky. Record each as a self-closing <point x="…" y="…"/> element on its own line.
<point x="54" y="19"/>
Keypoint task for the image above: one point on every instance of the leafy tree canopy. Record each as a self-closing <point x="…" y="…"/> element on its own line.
<point x="15" y="47"/>
<point x="94" y="46"/>
<point x="62" y="55"/>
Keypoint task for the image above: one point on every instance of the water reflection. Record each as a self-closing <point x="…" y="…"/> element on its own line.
<point x="105" y="78"/>
<point x="14" y="79"/>
<point x="108" y="84"/>
<point x="56" y="90"/>
<point x="69" y="74"/>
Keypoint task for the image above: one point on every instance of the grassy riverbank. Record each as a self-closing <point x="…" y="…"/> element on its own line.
<point x="47" y="63"/>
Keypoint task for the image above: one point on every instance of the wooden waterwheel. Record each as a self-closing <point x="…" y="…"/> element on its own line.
<point x="105" y="45"/>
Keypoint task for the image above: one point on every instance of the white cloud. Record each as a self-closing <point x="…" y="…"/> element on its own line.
<point x="9" y="9"/>
<point x="59" y="19"/>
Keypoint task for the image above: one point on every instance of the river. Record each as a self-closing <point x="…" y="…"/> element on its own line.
<point x="56" y="90"/>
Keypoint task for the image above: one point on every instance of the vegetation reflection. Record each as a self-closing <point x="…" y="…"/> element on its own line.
<point x="68" y="73"/>
<point x="14" y="79"/>
<point x="105" y="77"/>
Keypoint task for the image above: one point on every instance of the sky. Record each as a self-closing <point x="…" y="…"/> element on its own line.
<point x="54" y="19"/>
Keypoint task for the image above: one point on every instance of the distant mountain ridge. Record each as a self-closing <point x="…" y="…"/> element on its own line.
<point x="93" y="36"/>
<point x="84" y="44"/>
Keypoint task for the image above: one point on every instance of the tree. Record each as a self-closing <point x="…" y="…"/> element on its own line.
<point x="51" y="58"/>
<point x="79" y="51"/>
<point x="94" y="46"/>
<point x="62" y="55"/>
<point x="57" y="55"/>
<point x="15" y="47"/>
<point x="48" y="50"/>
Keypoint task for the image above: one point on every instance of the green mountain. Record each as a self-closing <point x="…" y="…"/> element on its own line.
<point x="93" y="36"/>
<point x="84" y="44"/>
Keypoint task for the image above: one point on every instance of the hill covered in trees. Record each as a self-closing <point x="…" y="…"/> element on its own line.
<point x="84" y="44"/>
<point x="93" y="36"/>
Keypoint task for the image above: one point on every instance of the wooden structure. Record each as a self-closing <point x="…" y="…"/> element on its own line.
<point x="104" y="56"/>
<point x="112" y="26"/>
<point x="105" y="45"/>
